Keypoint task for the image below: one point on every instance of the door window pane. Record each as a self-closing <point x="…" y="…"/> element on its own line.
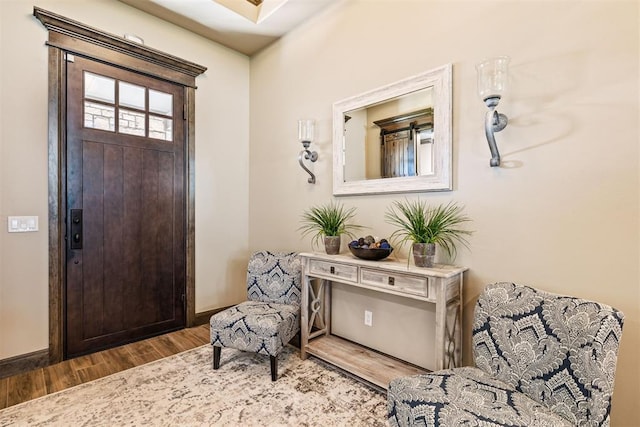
<point x="131" y="95"/>
<point x="99" y="116"/>
<point x="99" y="88"/>
<point x="160" y="128"/>
<point x="160" y="102"/>
<point x="131" y="122"/>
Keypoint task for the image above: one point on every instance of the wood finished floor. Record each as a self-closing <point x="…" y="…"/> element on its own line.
<point x="39" y="382"/>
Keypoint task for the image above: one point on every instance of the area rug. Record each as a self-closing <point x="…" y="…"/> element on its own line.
<point x="183" y="390"/>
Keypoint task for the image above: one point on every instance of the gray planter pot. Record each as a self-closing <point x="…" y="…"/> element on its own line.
<point x="424" y="254"/>
<point x="332" y="245"/>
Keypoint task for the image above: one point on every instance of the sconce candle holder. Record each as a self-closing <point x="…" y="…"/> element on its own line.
<point x="492" y="84"/>
<point x="306" y="130"/>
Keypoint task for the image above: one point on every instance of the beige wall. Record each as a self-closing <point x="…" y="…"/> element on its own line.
<point x="222" y="144"/>
<point x="561" y="214"/>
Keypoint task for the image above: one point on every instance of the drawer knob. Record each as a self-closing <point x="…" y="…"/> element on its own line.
<point x="392" y="281"/>
<point x="332" y="270"/>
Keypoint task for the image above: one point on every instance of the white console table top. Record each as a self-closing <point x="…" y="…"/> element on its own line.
<point x="392" y="264"/>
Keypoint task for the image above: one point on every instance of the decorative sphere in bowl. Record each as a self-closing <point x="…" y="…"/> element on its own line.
<point x="372" y="254"/>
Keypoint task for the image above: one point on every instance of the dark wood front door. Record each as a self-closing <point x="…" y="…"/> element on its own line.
<point x="125" y="235"/>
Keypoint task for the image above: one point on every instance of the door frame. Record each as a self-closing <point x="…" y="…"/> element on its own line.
<point x="68" y="37"/>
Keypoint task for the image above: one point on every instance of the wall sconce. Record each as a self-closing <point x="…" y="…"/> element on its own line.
<point x="493" y="75"/>
<point x="306" y="129"/>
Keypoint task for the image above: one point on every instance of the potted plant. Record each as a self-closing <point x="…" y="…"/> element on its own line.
<point x="427" y="226"/>
<point x="329" y="222"/>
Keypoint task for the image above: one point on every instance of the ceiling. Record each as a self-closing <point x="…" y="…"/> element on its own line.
<point x="237" y="24"/>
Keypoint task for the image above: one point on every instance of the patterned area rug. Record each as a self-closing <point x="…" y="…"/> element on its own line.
<point x="183" y="390"/>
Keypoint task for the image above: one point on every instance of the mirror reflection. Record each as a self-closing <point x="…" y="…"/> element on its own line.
<point x="396" y="138"/>
<point x="390" y="139"/>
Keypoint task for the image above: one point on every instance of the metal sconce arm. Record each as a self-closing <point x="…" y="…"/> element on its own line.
<point x="308" y="155"/>
<point x="494" y="122"/>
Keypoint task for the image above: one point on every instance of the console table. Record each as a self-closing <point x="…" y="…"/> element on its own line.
<point x="441" y="286"/>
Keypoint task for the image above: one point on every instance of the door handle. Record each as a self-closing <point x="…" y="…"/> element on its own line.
<point x="76" y="228"/>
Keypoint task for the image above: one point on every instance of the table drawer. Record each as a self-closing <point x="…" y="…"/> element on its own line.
<point x="332" y="269"/>
<point x="400" y="282"/>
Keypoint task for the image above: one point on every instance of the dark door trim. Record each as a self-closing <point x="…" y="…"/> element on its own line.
<point x="70" y="37"/>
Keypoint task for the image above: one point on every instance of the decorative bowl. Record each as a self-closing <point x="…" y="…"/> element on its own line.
<point x="372" y="254"/>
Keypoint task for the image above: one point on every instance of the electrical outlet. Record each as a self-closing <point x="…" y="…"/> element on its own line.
<point x="368" y="318"/>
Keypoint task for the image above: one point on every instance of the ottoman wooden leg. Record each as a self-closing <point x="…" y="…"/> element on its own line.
<point x="216" y="356"/>
<point x="274" y="368"/>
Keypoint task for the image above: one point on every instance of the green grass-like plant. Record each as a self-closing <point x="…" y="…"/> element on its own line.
<point x="419" y="223"/>
<point x="331" y="219"/>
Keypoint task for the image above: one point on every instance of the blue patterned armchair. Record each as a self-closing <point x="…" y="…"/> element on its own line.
<point x="270" y="318"/>
<point x="542" y="360"/>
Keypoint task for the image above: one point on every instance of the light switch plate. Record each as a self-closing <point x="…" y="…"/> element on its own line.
<point x="22" y="224"/>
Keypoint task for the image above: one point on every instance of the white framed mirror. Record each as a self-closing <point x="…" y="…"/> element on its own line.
<point x="396" y="138"/>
